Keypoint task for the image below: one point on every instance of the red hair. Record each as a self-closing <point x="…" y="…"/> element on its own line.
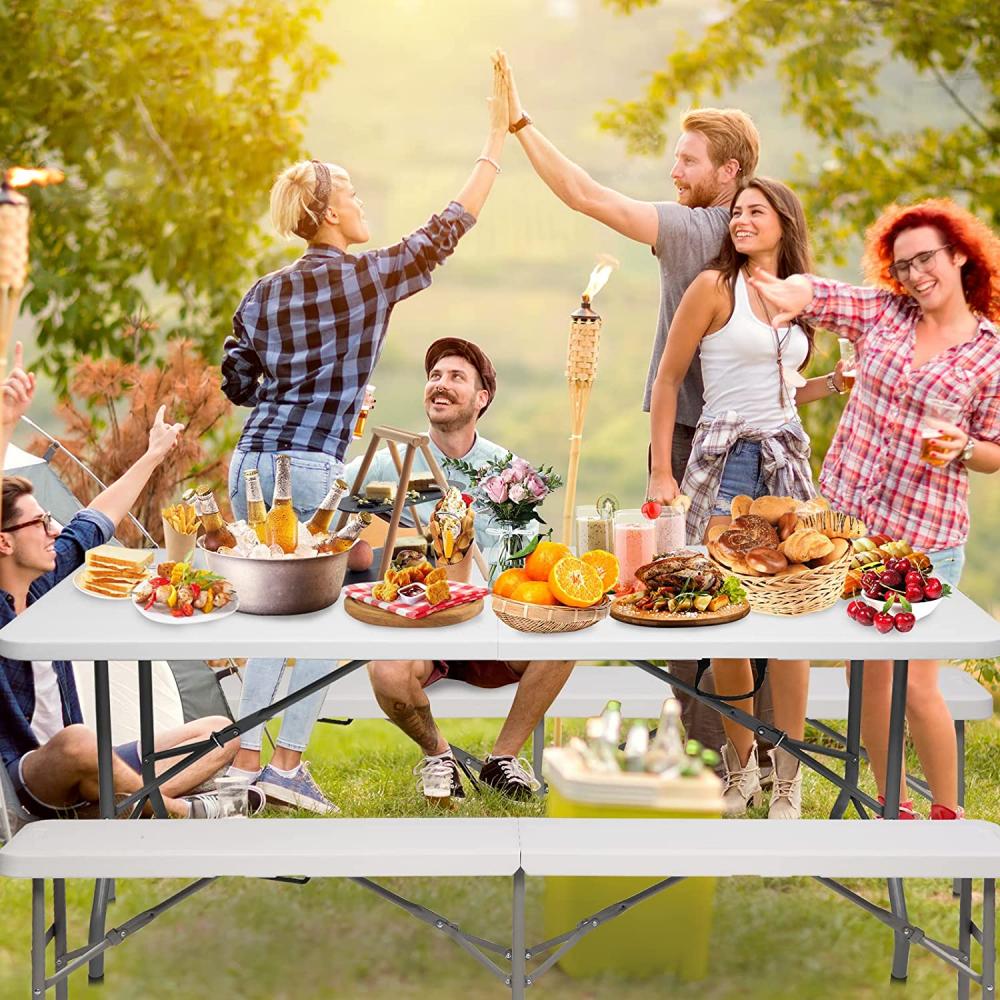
<point x="967" y="234"/>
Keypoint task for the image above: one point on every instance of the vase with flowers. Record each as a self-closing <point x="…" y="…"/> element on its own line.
<point x="509" y="491"/>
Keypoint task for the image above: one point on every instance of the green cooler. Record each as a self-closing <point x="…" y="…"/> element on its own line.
<point x="667" y="933"/>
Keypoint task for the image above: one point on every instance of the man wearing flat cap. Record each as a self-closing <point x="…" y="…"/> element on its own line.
<point x="461" y="383"/>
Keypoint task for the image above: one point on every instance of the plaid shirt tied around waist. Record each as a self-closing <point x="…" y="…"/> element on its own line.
<point x="306" y="338"/>
<point x="873" y="468"/>
<point x="784" y="457"/>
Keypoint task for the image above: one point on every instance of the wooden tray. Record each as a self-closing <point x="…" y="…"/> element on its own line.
<point x="371" y="615"/>
<point x="678" y="619"/>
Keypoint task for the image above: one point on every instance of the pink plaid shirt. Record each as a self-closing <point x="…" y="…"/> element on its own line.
<point x="873" y="468"/>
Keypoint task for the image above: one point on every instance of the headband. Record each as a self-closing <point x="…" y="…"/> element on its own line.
<point x="313" y="217"/>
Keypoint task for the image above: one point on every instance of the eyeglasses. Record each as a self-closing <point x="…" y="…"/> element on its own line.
<point x="45" y="520"/>
<point x="919" y="262"/>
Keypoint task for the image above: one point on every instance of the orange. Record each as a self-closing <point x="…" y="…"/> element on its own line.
<point x="576" y="583"/>
<point x="539" y="564"/>
<point x="533" y="592"/>
<point x="508" y="580"/>
<point x="605" y="564"/>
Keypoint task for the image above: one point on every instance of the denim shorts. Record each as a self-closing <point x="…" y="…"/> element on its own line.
<point x="312" y="474"/>
<point x="948" y="564"/>
<point x="743" y="475"/>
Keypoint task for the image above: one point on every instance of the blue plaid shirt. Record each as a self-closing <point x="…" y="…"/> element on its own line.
<point x="307" y="338"/>
<point x="17" y="681"/>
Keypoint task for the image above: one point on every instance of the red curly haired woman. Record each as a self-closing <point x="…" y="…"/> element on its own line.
<point x="927" y="329"/>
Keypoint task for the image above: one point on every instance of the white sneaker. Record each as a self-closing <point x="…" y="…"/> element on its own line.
<point x="742" y="783"/>
<point x="786" y="795"/>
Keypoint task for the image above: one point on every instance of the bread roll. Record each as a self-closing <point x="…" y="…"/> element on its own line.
<point x="740" y="505"/>
<point x="805" y="544"/>
<point x="766" y="561"/>
<point x="840" y="547"/>
<point x="787" y="524"/>
<point x="771" y="508"/>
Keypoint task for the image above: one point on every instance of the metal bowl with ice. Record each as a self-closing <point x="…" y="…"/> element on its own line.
<point x="281" y="586"/>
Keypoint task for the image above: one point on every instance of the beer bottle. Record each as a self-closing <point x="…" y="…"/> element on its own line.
<point x="320" y="521"/>
<point x="256" y="508"/>
<point x="282" y="523"/>
<point x="216" y="534"/>
<point x="348" y="534"/>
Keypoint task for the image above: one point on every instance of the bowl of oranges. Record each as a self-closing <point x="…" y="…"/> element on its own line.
<point x="555" y="591"/>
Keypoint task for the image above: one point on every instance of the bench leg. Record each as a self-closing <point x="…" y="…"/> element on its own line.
<point x="59" y="933"/>
<point x="852" y="740"/>
<point x="518" y="960"/>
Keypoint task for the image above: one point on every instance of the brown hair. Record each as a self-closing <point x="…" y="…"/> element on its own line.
<point x="794" y="255"/>
<point x="730" y="134"/>
<point x="14" y="487"/>
<point x="957" y="226"/>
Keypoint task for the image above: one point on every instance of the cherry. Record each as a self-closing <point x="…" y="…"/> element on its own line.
<point x="904" y="621"/>
<point x="933" y="588"/>
<point x="651" y="510"/>
<point x="891" y="579"/>
<point x="883" y="622"/>
<point x="914" y="593"/>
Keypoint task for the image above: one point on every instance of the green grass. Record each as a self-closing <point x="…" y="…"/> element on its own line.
<point x="257" y="939"/>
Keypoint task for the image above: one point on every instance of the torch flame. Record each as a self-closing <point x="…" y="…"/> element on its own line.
<point x="18" y="177"/>
<point x="599" y="276"/>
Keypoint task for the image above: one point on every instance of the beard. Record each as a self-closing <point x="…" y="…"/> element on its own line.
<point x="464" y="416"/>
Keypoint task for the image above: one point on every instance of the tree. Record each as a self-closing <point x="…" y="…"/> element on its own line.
<point x="170" y="121"/>
<point x="831" y="59"/>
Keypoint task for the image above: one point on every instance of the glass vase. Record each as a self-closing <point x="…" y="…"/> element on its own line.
<point x="509" y="540"/>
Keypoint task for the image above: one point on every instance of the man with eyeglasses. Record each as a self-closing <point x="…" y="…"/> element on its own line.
<point x="49" y="755"/>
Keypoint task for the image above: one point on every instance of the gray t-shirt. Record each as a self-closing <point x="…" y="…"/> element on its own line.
<point x="687" y="239"/>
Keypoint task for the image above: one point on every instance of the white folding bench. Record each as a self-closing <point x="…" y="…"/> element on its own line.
<point x="364" y="849"/>
<point x="641" y="695"/>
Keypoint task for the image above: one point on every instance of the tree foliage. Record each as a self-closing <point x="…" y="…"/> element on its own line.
<point x="170" y="121"/>
<point x="836" y="60"/>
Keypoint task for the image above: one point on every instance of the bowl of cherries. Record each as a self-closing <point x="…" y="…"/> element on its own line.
<point x="897" y="597"/>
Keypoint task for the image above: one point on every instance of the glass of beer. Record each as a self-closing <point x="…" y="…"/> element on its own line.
<point x="931" y="437"/>
<point x="850" y="358"/>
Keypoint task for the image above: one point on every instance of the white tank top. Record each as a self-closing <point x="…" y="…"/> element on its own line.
<point x="739" y="366"/>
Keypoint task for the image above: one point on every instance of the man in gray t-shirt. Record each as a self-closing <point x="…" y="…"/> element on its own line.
<point x="715" y="150"/>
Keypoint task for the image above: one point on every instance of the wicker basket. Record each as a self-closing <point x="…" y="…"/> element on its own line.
<point x="547" y="617"/>
<point x="799" y="594"/>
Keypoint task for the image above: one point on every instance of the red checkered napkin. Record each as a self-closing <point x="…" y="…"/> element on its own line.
<point x="461" y="593"/>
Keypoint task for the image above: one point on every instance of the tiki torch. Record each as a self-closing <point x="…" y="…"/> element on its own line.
<point x="581" y="370"/>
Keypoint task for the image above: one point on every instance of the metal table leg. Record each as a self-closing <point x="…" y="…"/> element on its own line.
<point x="852" y="765"/>
<point x="893" y="772"/>
<point x="103" y="888"/>
<point x="147" y="737"/>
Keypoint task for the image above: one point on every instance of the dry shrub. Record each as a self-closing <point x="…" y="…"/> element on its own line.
<point x="109" y="429"/>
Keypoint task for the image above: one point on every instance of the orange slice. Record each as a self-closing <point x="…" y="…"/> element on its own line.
<point x="605" y="564"/>
<point x="576" y="583"/>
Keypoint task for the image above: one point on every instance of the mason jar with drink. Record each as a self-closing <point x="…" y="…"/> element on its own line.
<point x="932" y="438"/>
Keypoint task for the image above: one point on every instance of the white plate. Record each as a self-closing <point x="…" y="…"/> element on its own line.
<point x="164" y="617"/>
<point x="920" y="610"/>
<point x="78" y="583"/>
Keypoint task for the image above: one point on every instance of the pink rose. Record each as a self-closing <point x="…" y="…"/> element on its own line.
<point x="518" y="493"/>
<point x="496" y="489"/>
<point x="536" y="486"/>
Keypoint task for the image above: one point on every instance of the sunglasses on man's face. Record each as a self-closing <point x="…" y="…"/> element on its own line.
<point x="45" y="520"/>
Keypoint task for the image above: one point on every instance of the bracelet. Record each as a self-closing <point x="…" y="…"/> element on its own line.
<point x="490" y="161"/>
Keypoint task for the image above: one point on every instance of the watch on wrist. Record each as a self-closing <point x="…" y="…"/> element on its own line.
<point x="525" y="119"/>
<point x="970" y="447"/>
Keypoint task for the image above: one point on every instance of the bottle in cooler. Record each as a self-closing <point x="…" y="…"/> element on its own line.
<point x="282" y="521"/>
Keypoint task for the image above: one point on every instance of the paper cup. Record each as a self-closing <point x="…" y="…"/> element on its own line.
<point x="460" y="572"/>
<point x="180" y="547"/>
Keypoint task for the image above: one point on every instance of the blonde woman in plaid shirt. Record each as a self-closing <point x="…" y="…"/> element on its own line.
<point x="926" y="329"/>
<point x="749" y="440"/>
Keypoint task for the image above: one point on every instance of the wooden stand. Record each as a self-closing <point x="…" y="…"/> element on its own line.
<point x="393" y="437"/>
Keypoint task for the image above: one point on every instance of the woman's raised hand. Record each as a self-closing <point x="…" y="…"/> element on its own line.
<point x="788" y="295"/>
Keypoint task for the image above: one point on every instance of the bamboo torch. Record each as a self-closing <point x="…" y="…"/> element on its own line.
<point x="581" y="370"/>
<point x="14" y="213"/>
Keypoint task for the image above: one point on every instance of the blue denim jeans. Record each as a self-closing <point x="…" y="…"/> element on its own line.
<point x="312" y="474"/>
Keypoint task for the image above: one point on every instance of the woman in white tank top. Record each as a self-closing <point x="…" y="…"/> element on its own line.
<point x="749" y="440"/>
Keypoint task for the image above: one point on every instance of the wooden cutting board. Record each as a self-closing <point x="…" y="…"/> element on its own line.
<point x="678" y="619"/>
<point x="372" y="615"/>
